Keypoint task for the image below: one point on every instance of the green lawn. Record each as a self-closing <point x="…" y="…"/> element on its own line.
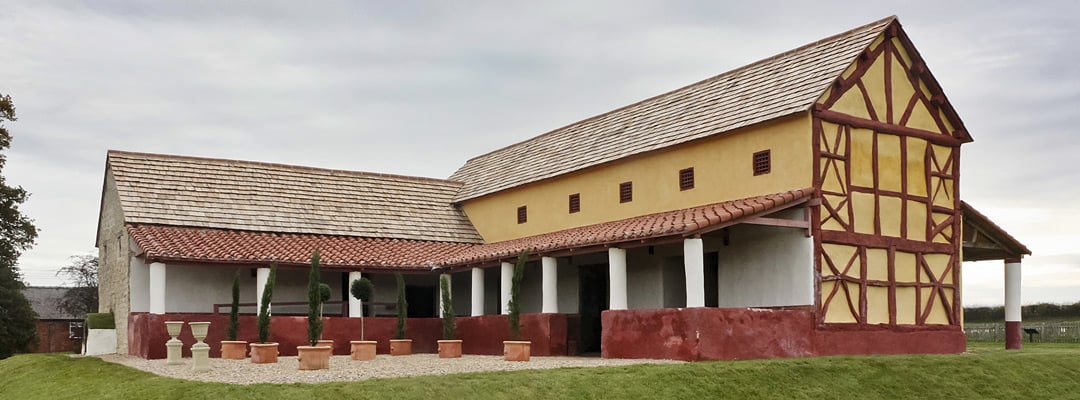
<point x="1040" y="371"/>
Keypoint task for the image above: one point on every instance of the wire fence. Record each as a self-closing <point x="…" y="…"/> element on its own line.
<point x="1049" y="332"/>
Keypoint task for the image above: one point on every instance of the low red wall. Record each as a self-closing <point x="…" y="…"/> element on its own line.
<point x="481" y="335"/>
<point x="738" y="333"/>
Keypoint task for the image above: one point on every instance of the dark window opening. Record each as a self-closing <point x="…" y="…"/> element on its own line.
<point x="626" y="192"/>
<point x="686" y="179"/>
<point x="523" y="215"/>
<point x="762" y="163"/>
<point x="575" y="203"/>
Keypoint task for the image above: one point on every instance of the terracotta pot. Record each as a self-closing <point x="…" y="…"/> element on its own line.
<point x="515" y="350"/>
<point x="362" y="350"/>
<point x="400" y="347"/>
<point x="450" y="349"/>
<point x="313" y="357"/>
<point x="233" y="349"/>
<point x="264" y="353"/>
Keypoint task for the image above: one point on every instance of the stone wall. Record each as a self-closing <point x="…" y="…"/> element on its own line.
<point x="114" y="254"/>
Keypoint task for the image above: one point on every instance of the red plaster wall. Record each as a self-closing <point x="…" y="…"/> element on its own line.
<point x="737" y="333"/>
<point x="482" y="335"/>
<point x="53" y="337"/>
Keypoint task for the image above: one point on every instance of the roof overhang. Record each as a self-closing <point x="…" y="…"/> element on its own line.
<point x="985" y="240"/>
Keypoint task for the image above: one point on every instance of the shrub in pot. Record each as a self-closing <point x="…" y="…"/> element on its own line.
<point x="265" y="352"/>
<point x="231" y="348"/>
<point x="516" y="349"/>
<point x="362" y="350"/>
<point x="314" y="356"/>
<point x="399" y="345"/>
<point x="449" y="347"/>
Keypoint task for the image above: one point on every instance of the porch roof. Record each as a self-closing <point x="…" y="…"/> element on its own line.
<point x="985" y="240"/>
<point x="686" y="222"/>
<point x="223" y="246"/>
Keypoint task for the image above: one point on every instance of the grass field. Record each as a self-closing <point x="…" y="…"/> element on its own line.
<point x="986" y="371"/>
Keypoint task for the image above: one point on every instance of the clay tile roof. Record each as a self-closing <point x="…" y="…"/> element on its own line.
<point x="782" y="85"/>
<point x="670" y="223"/>
<point x="251" y="196"/>
<point x="220" y="246"/>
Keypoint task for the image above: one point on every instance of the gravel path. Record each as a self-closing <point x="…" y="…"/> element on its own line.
<point x="342" y="368"/>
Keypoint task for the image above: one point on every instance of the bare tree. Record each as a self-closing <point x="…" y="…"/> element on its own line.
<point x="82" y="298"/>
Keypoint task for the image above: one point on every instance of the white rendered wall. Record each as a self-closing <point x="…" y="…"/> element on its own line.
<point x="196" y="288"/>
<point x="158" y="288"/>
<point x="567" y="286"/>
<point x="765" y="266"/>
<point x="139" y="282"/>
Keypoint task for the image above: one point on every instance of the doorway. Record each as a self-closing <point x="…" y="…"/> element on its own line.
<point x="422" y="301"/>
<point x="592" y="300"/>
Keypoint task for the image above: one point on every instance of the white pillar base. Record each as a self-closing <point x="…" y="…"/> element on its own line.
<point x="617" y="278"/>
<point x="477" y="292"/>
<point x="506" y="280"/>
<point x="157" y="288"/>
<point x="550" y="284"/>
<point x="694" y="263"/>
<point x="356" y="307"/>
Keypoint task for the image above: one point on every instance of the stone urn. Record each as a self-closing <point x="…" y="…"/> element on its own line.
<point x="450" y="348"/>
<point x="174" y="346"/>
<point x="362" y="350"/>
<point x="200" y="351"/>
<point x="517" y="350"/>
<point x="400" y="347"/>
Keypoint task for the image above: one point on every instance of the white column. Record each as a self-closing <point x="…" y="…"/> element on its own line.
<point x="550" y="284"/>
<point x="261" y="276"/>
<point x="157" y="288"/>
<point x="506" y="276"/>
<point x="694" y="263"/>
<point x="617" y="278"/>
<point x="477" y="292"/>
<point x="449" y="288"/>
<point x="1014" y="338"/>
<point x="356" y="307"/>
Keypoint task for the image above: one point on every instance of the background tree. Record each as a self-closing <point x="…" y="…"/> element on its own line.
<point x="17" y="234"/>
<point x="82" y="274"/>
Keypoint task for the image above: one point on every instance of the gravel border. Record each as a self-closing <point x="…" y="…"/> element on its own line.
<point x="343" y="368"/>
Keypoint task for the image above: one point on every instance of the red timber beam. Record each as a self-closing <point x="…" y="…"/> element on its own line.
<point x="856" y="122"/>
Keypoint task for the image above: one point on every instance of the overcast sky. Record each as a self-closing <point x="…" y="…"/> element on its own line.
<point x="417" y="88"/>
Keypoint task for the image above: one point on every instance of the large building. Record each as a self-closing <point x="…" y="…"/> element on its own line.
<point x="805" y="204"/>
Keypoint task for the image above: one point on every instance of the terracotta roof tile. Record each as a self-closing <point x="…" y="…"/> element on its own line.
<point x="782" y="85"/>
<point x="253" y="196"/>
<point x="210" y="245"/>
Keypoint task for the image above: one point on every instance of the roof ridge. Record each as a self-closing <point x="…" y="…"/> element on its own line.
<point x="111" y="152"/>
<point x="884" y="21"/>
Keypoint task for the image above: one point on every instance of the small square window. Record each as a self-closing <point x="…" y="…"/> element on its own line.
<point x="575" y="203"/>
<point x="762" y="163"/>
<point x="523" y="215"/>
<point x="686" y="179"/>
<point x="626" y="192"/>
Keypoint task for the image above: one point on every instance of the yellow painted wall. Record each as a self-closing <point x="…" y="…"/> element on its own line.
<point x="722" y="168"/>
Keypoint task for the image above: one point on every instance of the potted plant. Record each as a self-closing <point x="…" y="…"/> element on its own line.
<point x="265" y="352"/>
<point x="232" y="349"/>
<point x="449" y="347"/>
<point x="516" y="349"/>
<point x="399" y="345"/>
<point x="324" y="296"/>
<point x="362" y="350"/>
<point x="314" y="356"/>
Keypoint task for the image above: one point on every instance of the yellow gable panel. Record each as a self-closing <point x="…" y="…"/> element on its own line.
<point x="889" y="165"/>
<point x="890" y="215"/>
<point x="899" y="46"/>
<point x="904" y="266"/>
<point x="916" y="221"/>
<point x="916" y="166"/>
<point x="852" y="103"/>
<point x="938" y="264"/>
<point x="862" y="157"/>
<point x="877" y="264"/>
<point x="902" y="91"/>
<point x="863" y="206"/>
<point x="921" y="118"/>
<point x="832" y="175"/>
<point x="874" y="81"/>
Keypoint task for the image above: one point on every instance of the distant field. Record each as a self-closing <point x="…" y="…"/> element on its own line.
<point x="986" y="371"/>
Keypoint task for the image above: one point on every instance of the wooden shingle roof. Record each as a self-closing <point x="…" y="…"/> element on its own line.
<point x="782" y="85"/>
<point x="172" y="190"/>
